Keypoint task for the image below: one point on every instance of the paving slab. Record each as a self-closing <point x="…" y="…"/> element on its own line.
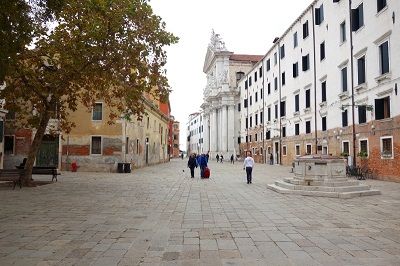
<point x="157" y="216"/>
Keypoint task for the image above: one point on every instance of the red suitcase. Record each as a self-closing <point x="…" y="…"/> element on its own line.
<point x="207" y="172"/>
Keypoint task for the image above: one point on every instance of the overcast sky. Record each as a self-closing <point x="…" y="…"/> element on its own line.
<point x="246" y="27"/>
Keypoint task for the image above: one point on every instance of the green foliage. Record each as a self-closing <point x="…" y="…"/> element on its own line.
<point x="362" y="154"/>
<point x="344" y="154"/>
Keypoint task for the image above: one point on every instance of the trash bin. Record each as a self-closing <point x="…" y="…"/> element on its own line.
<point x="127" y="167"/>
<point x="120" y="168"/>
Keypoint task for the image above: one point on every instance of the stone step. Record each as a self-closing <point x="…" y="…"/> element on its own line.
<point x="327" y="183"/>
<point x="322" y="188"/>
<point x="342" y="195"/>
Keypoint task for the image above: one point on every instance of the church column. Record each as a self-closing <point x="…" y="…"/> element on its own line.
<point x="214" y="131"/>
<point x="231" y="128"/>
<point x="224" y="129"/>
<point x="220" y="129"/>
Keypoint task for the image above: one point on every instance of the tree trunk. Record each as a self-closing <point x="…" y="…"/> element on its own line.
<point x="37" y="140"/>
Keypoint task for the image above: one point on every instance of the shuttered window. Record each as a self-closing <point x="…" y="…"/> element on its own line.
<point x="382" y="108"/>
<point x="344" y="119"/>
<point x="323" y="91"/>
<point x="384" y="57"/>
<point x="361" y="70"/>
<point x="357" y="16"/>
<point x="362" y="114"/>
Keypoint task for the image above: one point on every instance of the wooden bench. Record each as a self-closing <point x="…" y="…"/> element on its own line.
<point x="14" y="175"/>
<point x="44" y="170"/>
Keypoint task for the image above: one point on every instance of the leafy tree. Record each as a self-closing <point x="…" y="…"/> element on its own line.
<point x="95" y="49"/>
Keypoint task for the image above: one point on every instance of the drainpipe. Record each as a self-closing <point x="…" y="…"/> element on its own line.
<point x="315" y="81"/>
<point x="247" y="112"/>
<point x="352" y="86"/>
<point x="263" y="108"/>
<point x="280" y="101"/>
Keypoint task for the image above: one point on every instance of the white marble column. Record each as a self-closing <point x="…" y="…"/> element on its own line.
<point x="214" y="130"/>
<point x="231" y="128"/>
<point x="220" y="129"/>
<point x="224" y="129"/>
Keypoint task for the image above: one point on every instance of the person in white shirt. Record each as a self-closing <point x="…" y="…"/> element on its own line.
<point x="248" y="165"/>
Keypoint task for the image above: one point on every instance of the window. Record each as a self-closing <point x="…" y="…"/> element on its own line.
<point x="343" y="32"/>
<point x="239" y="76"/>
<point x="346" y="148"/>
<point x="247" y="122"/>
<point x="256" y="97"/>
<point x="256" y="120"/>
<point x="268" y="135"/>
<point x="96" y="145"/>
<point x="305" y="30"/>
<point x="362" y="114"/>
<point x="249" y="81"/>
<point x="247" y="139"/>
<point x="308" y="98"/>
<point x="251" y="100"/>
<point x="283" y="78"/>
<point x="319" y="15"/>
<point x="295" y="70"/>
<point x="269" y="88"/>
<point x="306" y="62"/>
<point x="284" y="150"/>
<point x="275" y="83"/>
<point x="251" y="121"/>
<point x="239" y="140"/>
<point x="297" y="149"/>
<point x="386" y="147"/>
<point x="308" y="148"/>
<point x="9" y="145"/>
<point x="245" y="103"/>
<point x="97" y="112"/>
<point x="364" y="147"/>
<point x="269" y="113"/>
<point x="323" y="91"/>
<point x="361" y="70"/>
<point x="344" y="79"/>
<point x="282" y="52"/>
<point x="255" y="76"/>
<point x="382" y="108"/>
<point x="276" y="111"/>
<point x="275" y="58"/>
<point x="239" y="107"/>
<point x="261" y="117"/>
<point x="255" y="137"/>
<point x="308" y="127"/>
<point x="322" y="51"/>
<point x="246" y="85"/>
<point x="261" y="93"/>
<point x="324" y="123"/>
<point x="357" y="16"/>
<point x="268" y="64"/>
<point x="284" y="132"/>
<point x="295" y="41"/>
<point x="260" y="70"/>
<point x="283" y="108"/>
<point x="297" y="129"/>
<point x="380" y="4"/>
<point x="344" y="119"/>
<point x="297" y="103"/>
<point x="384" y="57"/>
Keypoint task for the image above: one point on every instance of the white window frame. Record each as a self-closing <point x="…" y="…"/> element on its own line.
<point x="101" y="146"/>
<point x="342" y="146"/>
<point x="284" y="150"/>
<point x="359" y="145"/>
<point x="327" y="149"/>
<point x="102" y="111"/>
<point x="381" y="148"/>
<point x="295" y="150"/>
<point x="308" y="144"/>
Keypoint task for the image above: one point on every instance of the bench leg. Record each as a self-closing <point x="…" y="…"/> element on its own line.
<point x="54" y="177"/>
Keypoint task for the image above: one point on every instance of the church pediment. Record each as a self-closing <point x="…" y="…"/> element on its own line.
<point x="208" y="60"/>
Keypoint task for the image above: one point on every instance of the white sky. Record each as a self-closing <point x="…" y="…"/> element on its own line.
<point x="246" y="27"/>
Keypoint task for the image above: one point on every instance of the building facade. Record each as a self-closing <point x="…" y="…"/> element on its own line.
<point x="220" y="116"/>
<point x="175" y="139"/>
<point x="195" y="134"/>
<point x="329" y="85"/>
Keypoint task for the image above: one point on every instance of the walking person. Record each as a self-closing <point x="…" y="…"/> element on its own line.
<point x="221" y="159"/>
<point x="232" y="159"/>
<point x="192" y="163"/>
<point x="203" y="165"/>
<point x="217" y="157"/>
<point x="248" y="165"/>
<point x="208" y="156"/>
<point x="271" y="159"/>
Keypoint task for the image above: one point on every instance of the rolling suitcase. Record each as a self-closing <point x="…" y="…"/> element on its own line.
<point x="207" y="172"/>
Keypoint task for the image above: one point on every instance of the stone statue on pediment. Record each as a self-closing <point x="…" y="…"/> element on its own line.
<point x="216" y="43"/>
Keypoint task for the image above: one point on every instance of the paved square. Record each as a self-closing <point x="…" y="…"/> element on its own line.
<point x="160" y="216"/>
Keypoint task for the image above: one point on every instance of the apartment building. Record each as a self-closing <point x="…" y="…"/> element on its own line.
<point x="195" y="134"/>
<point x="329" y="85"/>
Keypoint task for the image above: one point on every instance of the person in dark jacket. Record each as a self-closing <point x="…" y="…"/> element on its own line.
<point x="203" y="165"/>
<point x="192" y="163"/>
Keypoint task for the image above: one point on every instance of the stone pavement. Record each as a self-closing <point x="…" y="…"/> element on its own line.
<point x="159" y="216"/>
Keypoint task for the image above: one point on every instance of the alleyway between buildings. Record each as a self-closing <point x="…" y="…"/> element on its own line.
<point x="160" y="216"/>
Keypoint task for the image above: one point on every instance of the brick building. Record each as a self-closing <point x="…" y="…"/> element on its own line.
<point x="329" y="85"/>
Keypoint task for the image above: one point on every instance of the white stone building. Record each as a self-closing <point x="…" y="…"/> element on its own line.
<point x="321" y="96"/>
<point x="195" y="134"/>
<point x="221" y="119"/>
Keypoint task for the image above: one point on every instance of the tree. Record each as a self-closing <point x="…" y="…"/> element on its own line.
<point x="95" y="49"/>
